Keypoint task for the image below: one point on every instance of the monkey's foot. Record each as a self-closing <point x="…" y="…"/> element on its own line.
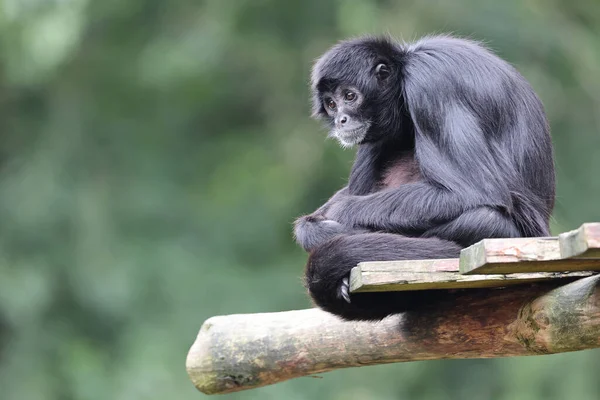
<point x="344" y="290"/>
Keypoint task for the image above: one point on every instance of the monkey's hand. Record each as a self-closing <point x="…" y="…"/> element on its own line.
<point x="339" y="210"/>
<point x="313" y="230"/>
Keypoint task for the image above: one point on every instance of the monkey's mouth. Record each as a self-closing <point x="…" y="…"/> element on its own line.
<point x="350" y="137"/>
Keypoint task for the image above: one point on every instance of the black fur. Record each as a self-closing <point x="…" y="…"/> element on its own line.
<point x="480" y="140"/>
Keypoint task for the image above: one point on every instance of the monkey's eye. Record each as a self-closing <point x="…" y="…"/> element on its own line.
<point x="350" y="96"/>
<point x="330" y="104"/>
<point x="382" y="71"/>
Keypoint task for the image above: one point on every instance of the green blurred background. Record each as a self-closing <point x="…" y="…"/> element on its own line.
<point x="154" y="154"/>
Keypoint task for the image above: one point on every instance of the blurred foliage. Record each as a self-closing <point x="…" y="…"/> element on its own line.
<point x="154" y="153"/>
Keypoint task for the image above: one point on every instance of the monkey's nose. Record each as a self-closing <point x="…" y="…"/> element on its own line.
<point x="343" y="119"/>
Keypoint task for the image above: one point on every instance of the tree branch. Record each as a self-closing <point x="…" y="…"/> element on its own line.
<point x="239" y="352"/>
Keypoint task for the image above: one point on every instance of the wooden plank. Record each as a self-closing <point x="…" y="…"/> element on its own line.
<point x="436" y="274"/>
<point x="521" y="255"/>
<point x="581" y="243"/>
<point x="491" y="255"/>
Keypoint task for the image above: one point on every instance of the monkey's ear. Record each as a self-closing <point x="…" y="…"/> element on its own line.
<point x="382" y="72"/>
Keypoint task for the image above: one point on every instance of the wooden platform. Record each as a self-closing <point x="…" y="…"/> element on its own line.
<point x="489" y="263"/>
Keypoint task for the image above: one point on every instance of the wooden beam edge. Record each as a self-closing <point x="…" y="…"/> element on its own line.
<point x="389" y="281"/>
<point x="583" y="242"/>
<point x="488" y="255"/>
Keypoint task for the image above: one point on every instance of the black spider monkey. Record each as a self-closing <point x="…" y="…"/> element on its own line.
<point x="453" y="147"/>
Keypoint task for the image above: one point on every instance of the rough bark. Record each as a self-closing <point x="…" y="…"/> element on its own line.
<point x="239" y="352"/>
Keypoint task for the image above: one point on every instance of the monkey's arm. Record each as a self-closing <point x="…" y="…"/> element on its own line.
<point x="412" y="208"/>
<point x="340" y="194"/>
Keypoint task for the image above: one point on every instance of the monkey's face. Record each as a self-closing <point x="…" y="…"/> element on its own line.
<point x="343" y="107"/>
<point x="350" y="112"/>
<point x="354" y="90"/>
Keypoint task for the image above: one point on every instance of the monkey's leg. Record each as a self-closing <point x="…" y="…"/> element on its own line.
<point x="329" y="266"/>
<point x="475" y="225"/>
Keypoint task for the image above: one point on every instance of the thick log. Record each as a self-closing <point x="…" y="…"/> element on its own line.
<point x="239" y="352"/>
<point x="389" y="276"/>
